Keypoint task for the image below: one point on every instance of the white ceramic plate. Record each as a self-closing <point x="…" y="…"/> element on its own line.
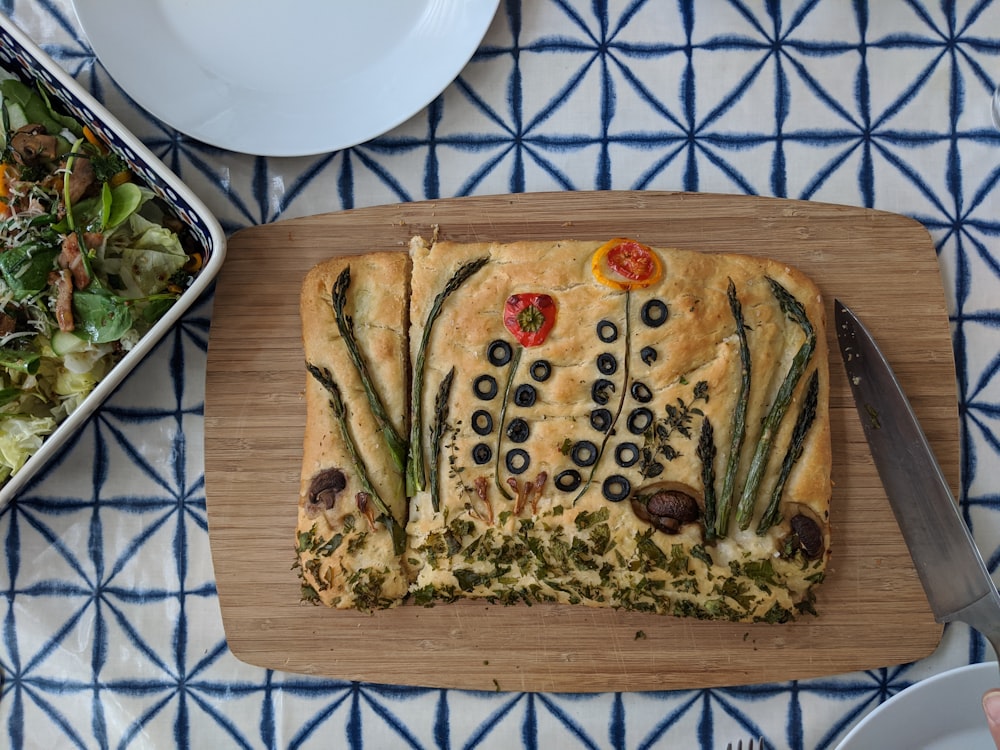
<point x="943" y="712"/>
<point x="290" y="78"/>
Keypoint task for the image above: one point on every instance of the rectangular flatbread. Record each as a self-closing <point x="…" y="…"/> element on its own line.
<point x="604" y="424"/>
<point x="352" y="506"/>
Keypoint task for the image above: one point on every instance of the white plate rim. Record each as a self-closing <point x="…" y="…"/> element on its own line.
<point x="435" y="53"/>
<point x="956" y="695"/>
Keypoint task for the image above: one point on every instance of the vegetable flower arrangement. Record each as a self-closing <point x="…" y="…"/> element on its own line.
<point x="529" y="317"/>
<point x="622" y="264"/>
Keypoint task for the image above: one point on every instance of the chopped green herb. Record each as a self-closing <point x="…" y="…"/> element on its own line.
<point x="699" y="553"/>
<point x="586" y="519"/>
<point x="678" y="420"/>
<point x="106" y="166"/>
<point x="760" y="572"/>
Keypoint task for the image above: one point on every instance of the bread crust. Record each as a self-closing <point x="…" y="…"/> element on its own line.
<point x="501" y="532"/>
<point x="345" y="560"/>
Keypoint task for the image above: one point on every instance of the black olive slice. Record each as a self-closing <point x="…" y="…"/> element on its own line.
<point x="517" y="461"/>
<point x="654" y="313"/>
<point x="600" y="391"/>
<point x="626" y="454"/>
<point x="607" y="331"/>
<point x="584" y="453"/>
<point x="607" y="364"/>
<point x="616" y="488"/>
<point x="648" y="355"/>
<point x="485" y="386"/>
<point x="482" y="422"/>
<point x="568" y="480"/>
<point x="525" y="395"/>
<point x="540" y="370"/>
<point x="641" y="392"/>
<point x="639" y="420"/>
<point x="499" y="353"/>
<point x="482" y="453"/>
<point x="600" y="420"/>
<point x="518" y="430"/>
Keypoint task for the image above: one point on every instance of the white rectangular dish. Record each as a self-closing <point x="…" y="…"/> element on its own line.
<point x="21" y="57"/>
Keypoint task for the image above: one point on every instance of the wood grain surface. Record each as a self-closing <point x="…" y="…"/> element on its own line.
<point x="872" y="610"/>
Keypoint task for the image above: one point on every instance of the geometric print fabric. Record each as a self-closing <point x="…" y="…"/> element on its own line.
<point x="110" y="634"/>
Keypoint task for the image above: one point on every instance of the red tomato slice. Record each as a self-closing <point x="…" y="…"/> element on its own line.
<point x="632" y="260"/>
<point x="626" y="264"/>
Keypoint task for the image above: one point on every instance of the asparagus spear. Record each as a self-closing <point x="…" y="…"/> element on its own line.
<point x="725" y="503"/>
<point x="437" y="431"/>
<point x="415" y="473"/>
<point x="345" y="324"/>
<point x="797" y="313"/>
<point x="802" y="424"/>
<point x="706" y="452"/>
<point x="396" y="530"/>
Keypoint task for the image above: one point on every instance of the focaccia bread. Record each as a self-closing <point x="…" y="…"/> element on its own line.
<point x="352" y="505"/>
<point x="613" y="425"/>
<point x="582" y="468"/>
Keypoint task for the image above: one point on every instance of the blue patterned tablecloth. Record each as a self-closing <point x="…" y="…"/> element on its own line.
<point x="110" y="630"/>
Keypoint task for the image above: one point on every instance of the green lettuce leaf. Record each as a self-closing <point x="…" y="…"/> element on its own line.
<point x="142" y="256"/>
<point x="20" y="437"/>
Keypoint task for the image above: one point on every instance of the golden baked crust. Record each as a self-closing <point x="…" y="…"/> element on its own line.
<point x="345" y="554"/>
<point x="587" y="464"/>
<point x="576" y="545"/>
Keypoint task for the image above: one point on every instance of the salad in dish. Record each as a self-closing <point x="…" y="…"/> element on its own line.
<point x="90" y="259"/>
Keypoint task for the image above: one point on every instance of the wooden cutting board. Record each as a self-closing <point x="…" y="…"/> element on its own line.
<point x="872" y="610"/>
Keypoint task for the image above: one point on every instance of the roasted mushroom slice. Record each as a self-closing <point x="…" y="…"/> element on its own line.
<point x="809" y="536"/>
<point x="667" y="506"/>
<point x="32" y="144"/>
<point x="806" y="531"/>
<point x="323" y="491"/>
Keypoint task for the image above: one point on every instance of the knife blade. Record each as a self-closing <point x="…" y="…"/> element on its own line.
<point x="954" y="577"/>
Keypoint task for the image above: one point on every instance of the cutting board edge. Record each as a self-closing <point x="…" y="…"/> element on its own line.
<point x="615" y="683"/>
<point x="638" y="197"/>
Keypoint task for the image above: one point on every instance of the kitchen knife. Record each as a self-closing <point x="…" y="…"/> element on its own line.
<point x="949" y="565"/>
